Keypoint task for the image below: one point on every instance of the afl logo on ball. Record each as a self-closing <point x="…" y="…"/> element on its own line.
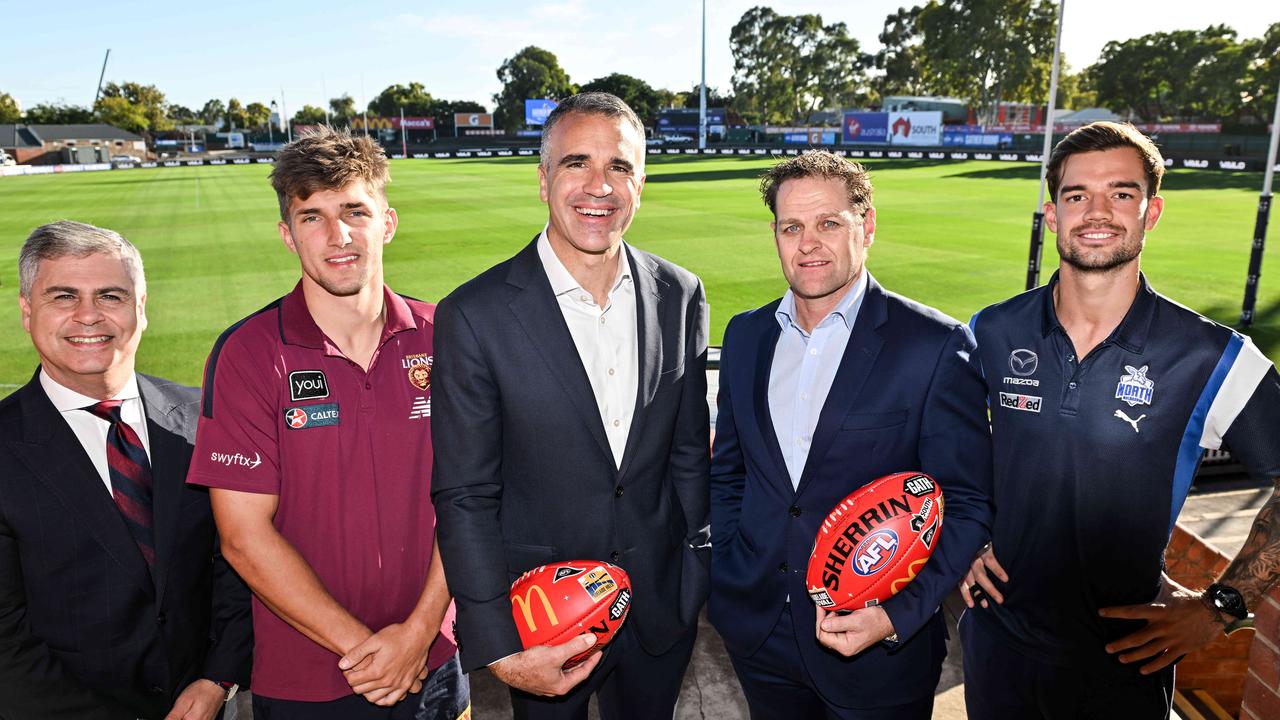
<point x="296" y="417"/>
<point x="875" y="552"/>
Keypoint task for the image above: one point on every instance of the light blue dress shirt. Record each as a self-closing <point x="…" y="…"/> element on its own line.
<point x="804" y="365"/>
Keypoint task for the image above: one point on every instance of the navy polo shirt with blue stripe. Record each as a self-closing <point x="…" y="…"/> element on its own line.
<point x="1094" y="457"/>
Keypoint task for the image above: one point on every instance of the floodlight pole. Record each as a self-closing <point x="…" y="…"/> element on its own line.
<point x="702" y="88"/>
<point x="1260" y="225"/>
<point x="284" y="116"/>
<point x="1037" y="218"/>
<point x="101" y="75"/>
<point x="404" y="135"/>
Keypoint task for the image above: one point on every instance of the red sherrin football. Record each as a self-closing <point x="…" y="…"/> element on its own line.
<point x="557" y="602"/>
<point x="875" y="541"/>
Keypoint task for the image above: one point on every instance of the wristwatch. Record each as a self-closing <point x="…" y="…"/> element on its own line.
<point x="1227" y="599"/>
<point x="229" y="687"/>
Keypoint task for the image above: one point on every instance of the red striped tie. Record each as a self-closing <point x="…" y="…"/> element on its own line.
<point x="130" y="473"/>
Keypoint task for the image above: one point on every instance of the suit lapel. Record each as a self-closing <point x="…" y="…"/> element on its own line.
<point x="855" y="367"/>
<point x="650" y="312"/>
<point x="53" y="454"/>
<point x="767" y="345"/>
<point x="167" y="449"/>
<point x="536" y="309"/>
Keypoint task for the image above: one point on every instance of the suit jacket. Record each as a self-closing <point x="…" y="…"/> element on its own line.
<point x="523" y="471"/>
<point x="906" y="396"/>
<point x="85" y="632"/>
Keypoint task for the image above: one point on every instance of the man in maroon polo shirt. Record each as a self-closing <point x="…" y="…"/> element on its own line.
<point x="315" y="440"/>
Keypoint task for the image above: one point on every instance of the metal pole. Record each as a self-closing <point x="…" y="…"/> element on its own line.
<point x="1037" y="218"/>
<point x="702" y="89"/>
<point x="1260" y="224"/>
<point x="101" y="75"/>
<point x="284" y="115"/>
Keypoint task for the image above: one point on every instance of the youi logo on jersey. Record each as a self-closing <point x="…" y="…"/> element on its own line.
<point x="1135" y="388"/>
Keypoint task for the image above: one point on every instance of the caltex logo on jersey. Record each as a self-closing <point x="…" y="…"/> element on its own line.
<point x="1135" y="388"/>
<point x="296" y="417"/>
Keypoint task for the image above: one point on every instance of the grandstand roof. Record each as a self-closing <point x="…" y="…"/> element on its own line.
<point x="18" y="136"/>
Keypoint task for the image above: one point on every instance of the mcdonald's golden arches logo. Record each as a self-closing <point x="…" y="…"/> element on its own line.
<point x="524" y="603"/>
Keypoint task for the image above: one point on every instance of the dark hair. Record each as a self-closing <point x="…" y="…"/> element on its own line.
<point x="588" y="103"/>
<point x="327" y="159"/>
<point x="821" y="164"/>
<point x="1105" y="135"/>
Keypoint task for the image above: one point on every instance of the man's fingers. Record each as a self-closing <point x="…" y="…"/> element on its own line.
<point x="1132" y="640"/>
<point x="574" y="646"/>
<point x="964" y="590"/>
<point x="1151" y="648"/>
<point x="989" y="559"/>
<point x="1130" y="612"/>
<point x="416" y="687"/>
<point x="837" y="623"/>
<point x="357" y="654"/>
<point x="1162" y="661"/>
<point x="578" y="673"/>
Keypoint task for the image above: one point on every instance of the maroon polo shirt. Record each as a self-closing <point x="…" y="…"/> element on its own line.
<point x="348" y="453"/>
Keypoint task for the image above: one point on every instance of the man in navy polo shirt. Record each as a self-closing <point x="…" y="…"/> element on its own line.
<point x="1104" y="395"/>
<point x="315" y="438"/>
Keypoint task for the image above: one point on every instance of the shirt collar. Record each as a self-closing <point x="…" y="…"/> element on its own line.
<point x="64" y="398"/>
<point x="1130" y="334"/>
<point x="846" y="310"/>
<point x="562" y="280"/>
<point x="297" y="327"/>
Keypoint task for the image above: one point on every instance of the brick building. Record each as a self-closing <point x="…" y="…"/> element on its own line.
<point x="53" y="144"/>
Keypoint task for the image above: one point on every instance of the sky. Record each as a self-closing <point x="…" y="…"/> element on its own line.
<point x="307" y="52"/>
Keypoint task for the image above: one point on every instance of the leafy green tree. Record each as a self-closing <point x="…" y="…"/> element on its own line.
<point x="57" y="114"/>
<point x="530" y="73"/>
<point x="900" y="59"/>
<point x="670" y="98"/>
<point x="117" y="111"/>
<point x="236" y="118"/>
<point x="257" y="115"/>
<point x="213" y="112"/>
<point x="1263" y="78"/>
<point x="412" y="98"/>
<point x="786" y="67"/>
<point x="9" y="112"/>
<point x="149" y="102"/>
<point x="986" y="51"/>
<point x="342" y="109"/>
<point x="443" y="110"/>
<point x="715" y="99"/>
<point x="635" y="92"/>
<point x="182" y="115"/>
<point x="310" y="115"/>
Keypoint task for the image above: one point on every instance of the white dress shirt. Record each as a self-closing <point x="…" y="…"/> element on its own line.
<point x="804" y="366"/>
<point x="606" y="341"/>
<point x="90" y="429"/>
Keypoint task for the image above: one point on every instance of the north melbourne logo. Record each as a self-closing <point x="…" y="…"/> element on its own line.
<point x="1135" y="388"/>
<point x="237" y="459"/>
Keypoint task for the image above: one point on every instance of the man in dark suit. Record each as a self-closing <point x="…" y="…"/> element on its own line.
<point x="571" y="423"/>
<point x="834" y="385"/>
<point x="114" y="600"/>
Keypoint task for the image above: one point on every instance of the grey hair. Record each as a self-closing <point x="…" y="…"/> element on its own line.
<point x="588" y="103"/>
<point x="68" y="237"/>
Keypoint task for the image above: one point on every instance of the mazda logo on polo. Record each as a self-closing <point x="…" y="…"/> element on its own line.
<point x="1023" y="362"/>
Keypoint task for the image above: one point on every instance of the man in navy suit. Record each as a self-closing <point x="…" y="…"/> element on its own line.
<point x="115" y="601"/>
<point x="834" y="385"/>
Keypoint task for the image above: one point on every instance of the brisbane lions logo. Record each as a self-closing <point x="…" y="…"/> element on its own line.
<point x="420" y="376"/>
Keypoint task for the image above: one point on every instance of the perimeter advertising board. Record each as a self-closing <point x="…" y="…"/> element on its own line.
<point x="537" y="110"/>
<point x="870" y="128"/>
<point x="916" y="128"/>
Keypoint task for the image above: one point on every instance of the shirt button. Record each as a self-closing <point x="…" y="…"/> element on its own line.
<point x="585" y="298"/>
<point x="813" y="351"/>
<point x="617" y="492"/>
<point x="368" y="386"/>
<point x="610" y="371"/>
<point x="614" y="556"/>
<point x="782" y="567"/>
<point x="795" y="511"/>
<point x="601" y="319"/>
<point x="1072" y="386"/>
<point x="804" y="396"/>
<point x="617" y="423"/>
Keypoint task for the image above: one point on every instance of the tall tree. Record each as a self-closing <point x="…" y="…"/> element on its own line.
<point x="148" y="101"/>
<point x="412" y="98"/>
<point x="635" y="92"/>
<point x="343" y="108"/>
<point x="182" y="115"/>
<point x="9" y="111"/>
<point x="786" y="67"/>
<point x="987" y="51"/>
<point x="1263" y="78"/>
<point x="669" y="98"/>
<point x="901" y="59"/>
<point x="310" y="115"/>
<point x="117" y="111"/>
<point x="213" y="112"/>
<point x="236" y="117"/>
<point x="1178" y="75"/>
<point x="715" y="99"/>
<point x="257" y="116"/>
<point x="57" y="114"/>
<point x="530" y="73"/>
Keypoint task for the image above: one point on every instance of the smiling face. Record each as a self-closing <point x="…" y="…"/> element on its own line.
<point x="1102" y="213"/>
<point x="822" y="241"/>
<point x="338" y="237"/>
<point x="591" y="182"/>
<point x="85" y="321"/>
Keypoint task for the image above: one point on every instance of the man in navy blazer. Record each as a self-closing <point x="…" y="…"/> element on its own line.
<point x="834" y="385"/>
